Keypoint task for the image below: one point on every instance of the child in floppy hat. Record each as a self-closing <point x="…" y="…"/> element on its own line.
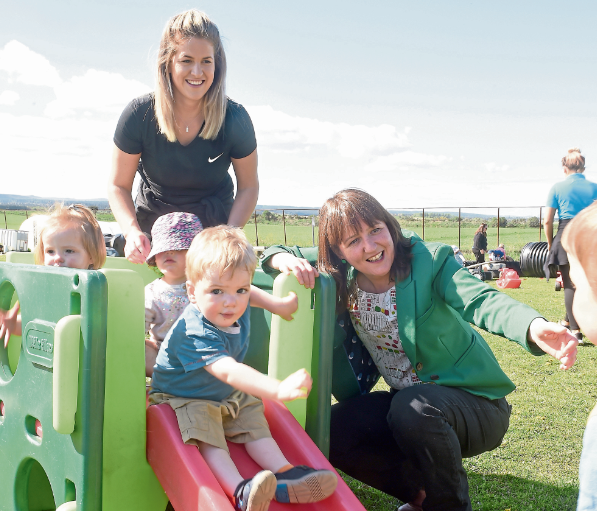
<point x="166" y="298"/>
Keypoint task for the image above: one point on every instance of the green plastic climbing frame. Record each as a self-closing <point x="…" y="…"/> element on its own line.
<point x="72" y="390"/>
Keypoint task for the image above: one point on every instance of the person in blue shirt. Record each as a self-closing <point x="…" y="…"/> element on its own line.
<point x="199" y="372"/>
<point x="568" y="198"/>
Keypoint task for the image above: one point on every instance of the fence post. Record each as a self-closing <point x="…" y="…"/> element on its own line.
<point x="540" y="222"/>
<point x="458" y="228"/>
<point x="5" y="222"/>
<point x="423" y="224"/>
<point x="313" y="228"/>
<point x="284" y="224"/>
<point x="256" y="233"/>
<point x="26" y="215"/>
<point x="498" y="227"/>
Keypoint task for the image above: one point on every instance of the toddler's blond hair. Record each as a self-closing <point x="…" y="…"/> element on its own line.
<point x="222" y="248"/>
<point x="81" y="219"/>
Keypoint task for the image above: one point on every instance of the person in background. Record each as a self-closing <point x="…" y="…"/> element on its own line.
<point x="182" y="138"/>
<point x="580" y="242"/>
<point x="568" y="197"/>
<point x="480" y="243"/>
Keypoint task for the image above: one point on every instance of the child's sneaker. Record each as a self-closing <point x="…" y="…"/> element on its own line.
<point x="255" y="494"/>
<point x="303" y="484"/>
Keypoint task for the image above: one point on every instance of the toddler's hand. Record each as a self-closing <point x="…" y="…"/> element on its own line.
<point x="295" y="386"/>
<point x="288" y="306"/>
<point x="8" y="323"/>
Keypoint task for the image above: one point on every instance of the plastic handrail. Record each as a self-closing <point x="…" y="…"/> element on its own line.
<point x="65" y="384"/>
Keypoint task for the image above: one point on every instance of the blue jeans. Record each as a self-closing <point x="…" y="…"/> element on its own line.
<point x="587" y="498"/>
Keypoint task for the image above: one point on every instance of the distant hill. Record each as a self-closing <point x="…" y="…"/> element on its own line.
<point x="302" y="211"/>
<point x="32" y="201"/>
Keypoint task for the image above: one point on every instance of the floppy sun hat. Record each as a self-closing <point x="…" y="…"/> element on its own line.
<point x="174" y="231"/>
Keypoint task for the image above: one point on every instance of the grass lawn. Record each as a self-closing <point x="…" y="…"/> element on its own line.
<point x="302" y="235"/>
<point x="13" y="219"/>
<point x="536" y="467"/>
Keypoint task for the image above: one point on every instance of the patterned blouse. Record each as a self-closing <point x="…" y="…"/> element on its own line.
<point x="374" y="319"/>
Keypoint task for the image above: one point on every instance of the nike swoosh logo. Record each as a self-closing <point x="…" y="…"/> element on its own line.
<point x="210" y="160"/>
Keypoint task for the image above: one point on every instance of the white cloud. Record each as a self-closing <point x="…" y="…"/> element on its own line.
<point x="405" y="160"/>
<point x="95" y="91"/>
<point x="25" y="66"/>
<point x="494" y="167"/>
<point x="46" y="157"/>
<point x="9" y="97"/>
<point x="279" y="131"/>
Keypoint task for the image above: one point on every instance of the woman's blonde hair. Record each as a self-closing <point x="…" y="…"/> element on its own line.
<point x="184" y="26"/>
<point x="81" y="219"/>
<point x="574" y="160"/>
<point x="580" y="240"/>
<point x="222" y="248"/>
<point x="342" y="214"/>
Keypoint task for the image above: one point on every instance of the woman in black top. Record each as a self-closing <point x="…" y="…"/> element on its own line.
<point x="480" y="243"/>
<point x="182" y="139"/>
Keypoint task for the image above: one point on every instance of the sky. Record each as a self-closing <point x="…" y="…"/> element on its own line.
<point x="422" y="104"/>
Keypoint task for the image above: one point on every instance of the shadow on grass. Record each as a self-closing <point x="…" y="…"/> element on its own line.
<point x="507" y="492"/>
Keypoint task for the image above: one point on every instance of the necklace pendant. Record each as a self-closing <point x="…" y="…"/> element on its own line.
<point x="187" y="129"/>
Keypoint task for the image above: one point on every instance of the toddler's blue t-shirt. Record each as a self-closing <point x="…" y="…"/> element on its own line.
<point x="192" y="343"/>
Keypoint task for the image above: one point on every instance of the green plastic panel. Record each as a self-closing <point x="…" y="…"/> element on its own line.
<point x="147" y="273"/>
<point x="128" y="480"/>
<point x="291" y="342"/>
<point x="305" y="342"/>
<point x="45" y="472"/>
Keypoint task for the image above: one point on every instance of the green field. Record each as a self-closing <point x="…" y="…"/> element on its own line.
<point x="536" y="467"/>
<point x="302" y="235"/>
<point x="13" y="219"/>
<point x="513" y="238"/>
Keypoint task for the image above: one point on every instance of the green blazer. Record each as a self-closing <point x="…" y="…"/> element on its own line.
<point x="435" y="305"/>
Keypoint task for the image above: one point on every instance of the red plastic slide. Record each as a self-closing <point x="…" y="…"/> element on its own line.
<point x="191" y="486"/>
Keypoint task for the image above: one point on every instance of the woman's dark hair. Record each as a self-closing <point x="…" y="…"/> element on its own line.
<point x="480" y="229"/>
<point x="342" y="214"/>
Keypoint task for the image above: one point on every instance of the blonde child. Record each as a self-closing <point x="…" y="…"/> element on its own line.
<point x="580" y="243"/>
<point x="200" y="374"/>
<point x="166" y="297"/>
<point x="69" y="238"/>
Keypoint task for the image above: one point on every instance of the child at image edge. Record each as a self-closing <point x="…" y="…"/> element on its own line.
<point x="200" y="374"/>
<point x="580" y="242"/>
<point x="69" y="238"/>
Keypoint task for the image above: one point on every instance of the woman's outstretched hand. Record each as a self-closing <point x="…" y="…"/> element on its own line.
<point x="137" y="247"/>
<point x="302" y="269"/>
<point x="555" y="340"/>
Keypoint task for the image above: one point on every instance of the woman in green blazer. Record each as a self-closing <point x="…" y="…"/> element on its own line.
<point x="410" y="304"/>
